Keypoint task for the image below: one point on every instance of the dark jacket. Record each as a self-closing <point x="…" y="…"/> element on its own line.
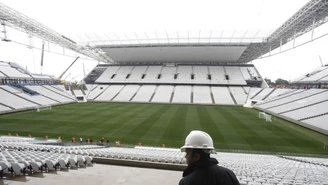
<point x="208" y="173"/>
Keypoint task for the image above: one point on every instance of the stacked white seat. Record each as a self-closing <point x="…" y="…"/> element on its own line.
<point x="277" y="92"/>
<point x="107" y="74"/>
<point x="253" y="91"/>
<point x="126" y="93"/>
<point x="320" y="122"/>
<point x="95" y="91"/>
<point x="14" y="101"/>
<point x="4" y="108"/>
<point x="218" y="73"/>
<point x="136" y="74"/>
<point x="201" y="73"/>
<point x="239" y="95"/>
<point x="202" y="95"/>
<point x="235" y="76"/>
<point x="184" y="74"/>
<point x="35" y="98"/>
<point x="262" y="94"/>
<point x="163" y="93"/>
<point x="13" y="72"/>
<point x="109" y="93"/>
<point x="309" y="111"/>
<point x="50" y="93"/>
<point x="291" y="98"/>
<point x="60" y="89"/>
<point x="222" y="96"/>
<point x="144" y="94"/>
<point x="152" y="74"/>
<point x="122" y="73"/>
<point x="167" y="75"/>
<point x="302" y="102"/>
<point x="244" y="71"/>
<point x="182" y="94"/>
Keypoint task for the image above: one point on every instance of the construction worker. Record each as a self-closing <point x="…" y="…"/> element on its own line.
<point x="202" y="169"/>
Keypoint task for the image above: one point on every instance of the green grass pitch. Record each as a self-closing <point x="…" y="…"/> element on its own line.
<point x="232" y="128"/>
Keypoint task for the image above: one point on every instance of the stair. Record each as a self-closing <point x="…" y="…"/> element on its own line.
<point x="152" y="96"/>
<point x="244" y="90"/>
<point x="172" y="94"/>
<point x="303" y="107"/>
<point x="117" y="93"/>
<point x="135" y="93"/>
<point x="212" y="97"/>
<point x="266" y="96"/>
<point x="232" y="97"/>
<point x="257" y="93"/>
<point x="101" y="93"/>
<point x="318" y="115"/>
<point x="192" y="94"/>
<point x="289" y="92"/>
<point x="57" y="92"/>
<point x="7" y="106"/>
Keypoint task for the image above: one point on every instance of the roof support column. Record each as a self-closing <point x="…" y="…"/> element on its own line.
<point x="280" y="45"/>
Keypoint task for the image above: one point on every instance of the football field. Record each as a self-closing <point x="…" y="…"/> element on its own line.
<point x="232" y="128"/>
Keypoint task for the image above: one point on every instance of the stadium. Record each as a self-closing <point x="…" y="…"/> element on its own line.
<point x="130" y="113"/>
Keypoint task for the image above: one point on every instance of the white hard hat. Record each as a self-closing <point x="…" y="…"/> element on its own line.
<point x="199" y="140"/>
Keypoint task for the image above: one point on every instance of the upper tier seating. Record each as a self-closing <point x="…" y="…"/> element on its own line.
<point x="229" y="75"/>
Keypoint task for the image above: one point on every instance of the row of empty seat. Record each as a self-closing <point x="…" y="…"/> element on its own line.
<point x="178" y="74"/>
<point x="169" y="93"/>
<point x="249" y="168"/>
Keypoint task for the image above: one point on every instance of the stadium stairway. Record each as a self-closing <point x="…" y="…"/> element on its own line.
<point x="192" y="94"/>
<point x="314" y="116"/>
<point x="102" y="93"/>
<point x="212" y="97"/>
<point x="7" y="106"/>
<point x="56" y="89"/>
<point x="20" y="96"/>
<point x="135" y="93"/>
<point x="266" y="96"/>
<point x="232" y="97"/>
<point x="152" y="96"/>
<point x="172" y="94"/>
<point x="257" y="94"/>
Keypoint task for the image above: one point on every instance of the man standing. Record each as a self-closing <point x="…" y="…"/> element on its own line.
<point x="202" y="169"/>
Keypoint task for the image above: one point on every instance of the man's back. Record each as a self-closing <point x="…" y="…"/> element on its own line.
<point x="210" y="175"/>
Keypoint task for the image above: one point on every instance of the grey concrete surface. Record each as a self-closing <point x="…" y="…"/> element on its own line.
<point x="99" y="174"/>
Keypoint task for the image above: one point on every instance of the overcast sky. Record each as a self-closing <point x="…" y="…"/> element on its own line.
<point x="78" y="18"/>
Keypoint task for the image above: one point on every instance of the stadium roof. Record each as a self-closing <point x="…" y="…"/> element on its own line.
<point x="240" y="46"/>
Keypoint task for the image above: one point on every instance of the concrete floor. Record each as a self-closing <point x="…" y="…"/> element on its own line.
<point x="98" y="175"/>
